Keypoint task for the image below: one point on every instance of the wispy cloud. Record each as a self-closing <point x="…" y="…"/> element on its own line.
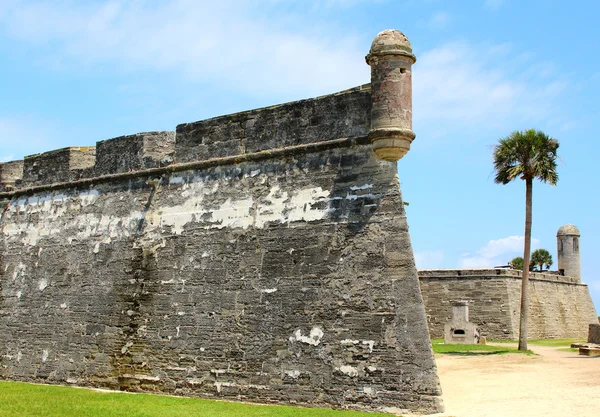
<point x="225" y="41"/>
<point x="429" y="259"/>
<point x="438" y="21"/>
<point x="496" y="252"/>
<point x="281" y="54"/>
<point x="494" y="4"/>
<point x="463" y="84"/>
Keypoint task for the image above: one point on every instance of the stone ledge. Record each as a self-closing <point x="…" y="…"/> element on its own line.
<point x="213" y="162"/>
<point x="476" y="273"/>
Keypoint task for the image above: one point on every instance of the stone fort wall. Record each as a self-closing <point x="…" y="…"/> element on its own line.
<point x="262" y="256"/>
<point x="559" y="306"/>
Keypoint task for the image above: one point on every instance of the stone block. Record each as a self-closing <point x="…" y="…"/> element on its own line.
<point x="134" y="152"/>
<point x="61" y="165"/>
<point x="594" y="333"/>
<point x="459" y="331"/>
<point x="10" y="173"/>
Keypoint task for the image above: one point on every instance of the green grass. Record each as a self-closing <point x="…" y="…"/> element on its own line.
<point x="24" y="400"/>
<point x="555" y="342"/>
<point x="544" y="342"/>
<point x="439" y="347"/>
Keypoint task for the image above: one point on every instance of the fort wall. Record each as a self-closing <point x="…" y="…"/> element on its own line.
<point x="268" y="260"/>
<point x="559" y="306"/>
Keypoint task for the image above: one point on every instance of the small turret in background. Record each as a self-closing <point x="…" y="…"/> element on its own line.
<point x="567" y="242"/>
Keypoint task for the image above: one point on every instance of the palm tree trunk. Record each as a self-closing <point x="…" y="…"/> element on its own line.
<point x="526" y="256"/>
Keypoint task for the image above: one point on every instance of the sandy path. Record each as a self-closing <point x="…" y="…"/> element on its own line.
<point x="555" y="383"/>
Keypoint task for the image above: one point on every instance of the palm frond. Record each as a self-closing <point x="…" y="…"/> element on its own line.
<point x="526" y="154"/>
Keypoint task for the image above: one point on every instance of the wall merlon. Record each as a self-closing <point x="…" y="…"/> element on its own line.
<point x="134" y="152"/>
<point x="10" y="173"/>
<point x="60" y="165"/>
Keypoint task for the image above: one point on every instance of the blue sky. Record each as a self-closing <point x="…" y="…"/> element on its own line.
<point x="76" y="72"/>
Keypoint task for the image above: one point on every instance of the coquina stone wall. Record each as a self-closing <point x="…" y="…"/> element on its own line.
<point x="262" y="256"/>
<point x="594" y="333"/>
<point x="559" y="306"/>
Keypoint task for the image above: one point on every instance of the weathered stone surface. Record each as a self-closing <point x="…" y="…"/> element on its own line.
<point x="459" y="330"/>
<point x="589" y="351"/>
<point x="270" y="261"/>
<point x="61" y="165"/>
<point x="559" y="306"/>
<point x="594" y="333"/>
<point x="308" y="121"/>
<point x="278" y="280"/>
<point x="567" y="248"/>
<point x="391" y="59"/>
<point x="134" y="152"/>
<point x="10" y="174"/>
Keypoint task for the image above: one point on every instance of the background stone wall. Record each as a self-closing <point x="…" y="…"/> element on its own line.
<point x="594" y="333"/>
<point x="559" y="306"/>
<point x="287" y="277"/>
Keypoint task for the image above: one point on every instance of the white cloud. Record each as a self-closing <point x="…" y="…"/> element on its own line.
<point x="494" y="4"/>
<point x="465" y="85"/>
<point x="6" y="158"/>
<point x="227" y="41"/>
<point x="496" y="252"/>
<point x="265" y="49"/>
<point x="429" y="259"/>
<point x="438" y="21"/>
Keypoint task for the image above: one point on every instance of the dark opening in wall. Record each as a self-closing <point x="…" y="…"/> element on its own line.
<point x="575" y="244"/>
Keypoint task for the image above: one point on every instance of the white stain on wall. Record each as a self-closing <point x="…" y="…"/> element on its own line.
<point x="314" y="338"/>
<point x="69" y="215"/>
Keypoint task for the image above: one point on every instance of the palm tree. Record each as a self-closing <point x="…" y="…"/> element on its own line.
<point x="526" y="155"/>
<point x="517" y="263"/>
<point x="539" y="257"/>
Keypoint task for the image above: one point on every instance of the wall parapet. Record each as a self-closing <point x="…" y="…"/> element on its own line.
<point x="495" y="273"/>
<point x="338" y="115"/>
<point x="203" y="164"/>
<point x="290" y="127"/>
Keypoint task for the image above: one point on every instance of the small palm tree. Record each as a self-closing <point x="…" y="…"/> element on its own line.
<point x="541" y="257"/>
<point x="517" y="263"/>
<point x="526" y="155"/>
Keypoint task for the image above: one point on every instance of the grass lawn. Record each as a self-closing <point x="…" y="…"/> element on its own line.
<point x="439" y="347"/>
<point x="22" y="400"/>
<point x="555" y="342"/>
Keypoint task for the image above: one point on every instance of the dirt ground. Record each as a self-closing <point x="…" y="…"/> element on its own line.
<point x="552" y="384"/>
